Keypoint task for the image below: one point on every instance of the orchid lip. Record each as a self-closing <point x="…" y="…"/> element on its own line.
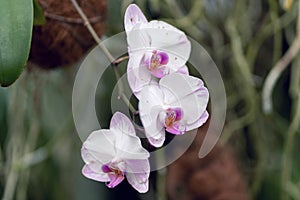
<point x="172" y="119"/>
<point x="173" y="115"/>
<point x="106" y="169"/>
<point x="156" y="63"/>
<point x="115" y="175"/>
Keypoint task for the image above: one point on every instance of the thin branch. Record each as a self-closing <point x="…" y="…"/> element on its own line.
<point x="71" y="20"/>
<point x="112" y="60"/>
<point x="92" y="31"/>
<point x="119" y="60"/>
<point x="277" y="70"/>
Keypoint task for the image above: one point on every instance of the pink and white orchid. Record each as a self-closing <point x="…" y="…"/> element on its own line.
<point x="155" y="49"/>
<point x="176" y="104"/>
<point x="112" y="154"/>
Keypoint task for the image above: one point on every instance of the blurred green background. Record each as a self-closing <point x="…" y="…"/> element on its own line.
<point x="40" y="149"/>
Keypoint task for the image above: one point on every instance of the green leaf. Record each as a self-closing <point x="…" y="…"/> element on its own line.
<point x="16" y="23"/>
<point x="39" y="18"/>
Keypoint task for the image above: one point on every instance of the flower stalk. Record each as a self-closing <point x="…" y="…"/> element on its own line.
<point x="88" y="25"/>
<point x="161" y="175"/>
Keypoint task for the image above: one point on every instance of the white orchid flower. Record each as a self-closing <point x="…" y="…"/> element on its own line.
<point x="112" y="154"/>
<point x="155" y="49"/>
<point x="176" y="104"/>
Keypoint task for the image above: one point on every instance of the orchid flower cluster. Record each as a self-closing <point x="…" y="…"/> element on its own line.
<point x="170" y="100"/>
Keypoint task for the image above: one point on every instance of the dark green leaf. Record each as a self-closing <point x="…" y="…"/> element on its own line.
<point x="15" y="36"/>
<point x="39" y="18"/>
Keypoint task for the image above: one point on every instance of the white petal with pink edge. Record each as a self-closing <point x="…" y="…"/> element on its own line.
<point x="133" y="16"/>
<point x="137" y="174"/>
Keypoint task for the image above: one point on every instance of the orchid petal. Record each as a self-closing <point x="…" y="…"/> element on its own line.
<point x="91" y="161"/>
<point x="127" y="144"/>
<point x="157" y="35"/>
<point x="137" y="174"/>
<point x="130" y="147"/>
<point x="160" y="71"/>
<point x="155" y="24"/>
<point x="179" y="85"/>
<point x="138" y="39"/>
<point x="171" y="40"/>
<point x="183" y="70"/>
<point x="192" y="98"/>
<point x="99" y="146"/>
<point x="176" y="129"/>
<point x="133" y="16"/>
<point x="97" y="176"/>
<point x="150" y="106"/>
<point x="152" y="97"/>
<point x="199" y="122"/>
<point x="138" y="76"/>
<point x="158" y="141"/>
<point x="86" y="156"/>
<point x="115" y="179"/>
<point x="194" y="105"/>
<point x="120" y="122"/>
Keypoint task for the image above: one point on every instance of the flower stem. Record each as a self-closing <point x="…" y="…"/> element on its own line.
<point x="69" y="19"/>
<point x="92" y="31"/>
<point x="119" y="60"/>
<point x="161" y="175"/>
<point x="114" y="62"/>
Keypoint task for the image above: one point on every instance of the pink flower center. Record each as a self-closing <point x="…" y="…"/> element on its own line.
<point x="173" y="115"/>
<point x="156" y="63"/>
<point x="170" y="118"/>
<point x="155" y="60"/>
<point x="116" y="176"/>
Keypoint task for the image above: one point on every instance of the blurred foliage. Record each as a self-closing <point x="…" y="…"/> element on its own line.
<point x="40" y="150"/>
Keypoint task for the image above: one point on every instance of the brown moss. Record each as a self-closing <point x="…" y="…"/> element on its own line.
<point x="215" y="177"/>
<point x="64" y="39"/>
